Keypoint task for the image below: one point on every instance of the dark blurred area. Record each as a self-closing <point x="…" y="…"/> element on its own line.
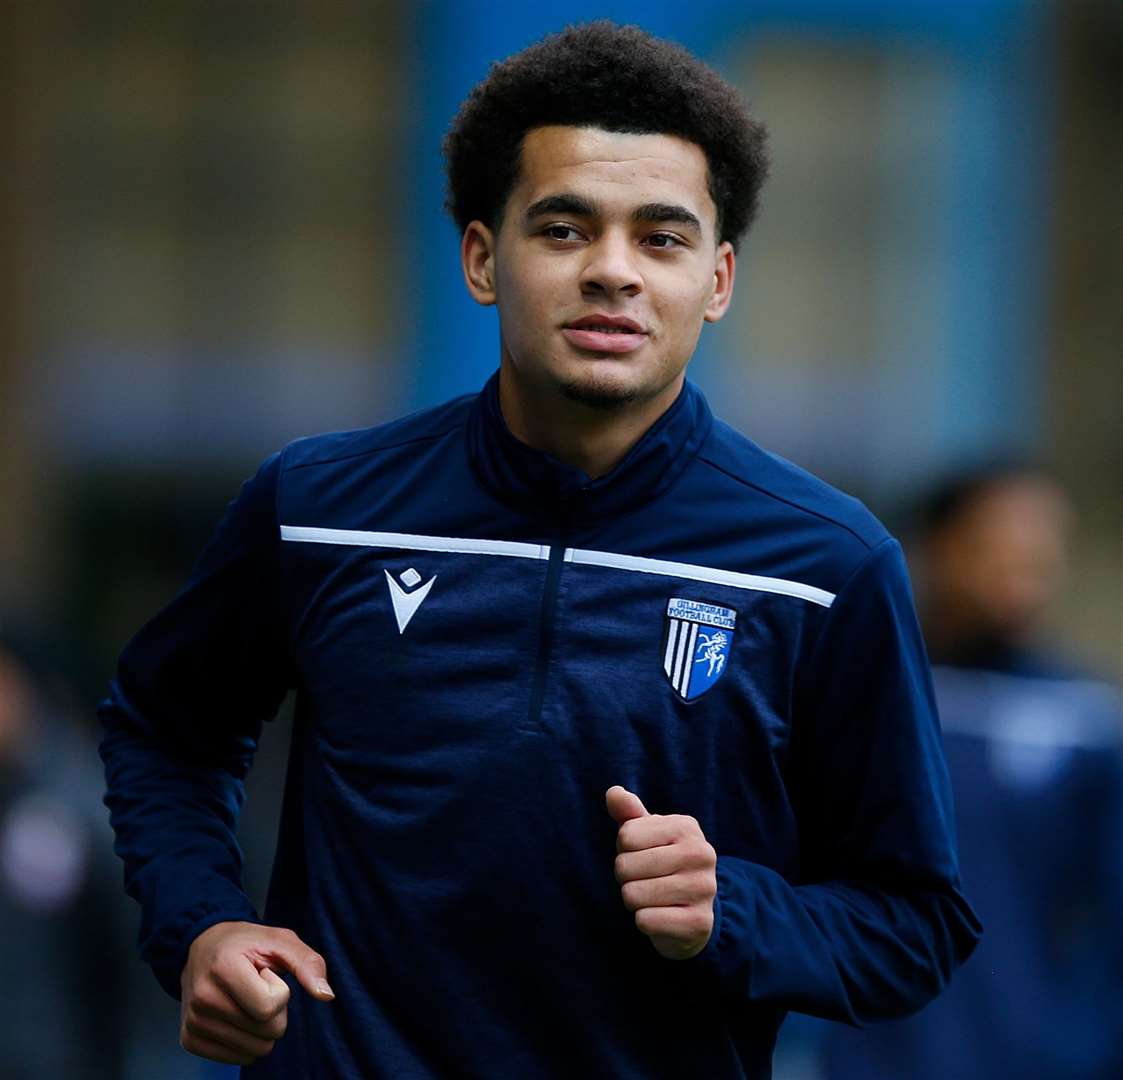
<point x="1035" y="751"/>
<point x="223" y="230"/>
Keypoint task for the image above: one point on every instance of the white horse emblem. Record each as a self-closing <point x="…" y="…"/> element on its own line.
<point x="711" y="648"/>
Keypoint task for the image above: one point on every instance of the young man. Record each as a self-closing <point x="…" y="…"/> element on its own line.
<point x="614" y="736"/>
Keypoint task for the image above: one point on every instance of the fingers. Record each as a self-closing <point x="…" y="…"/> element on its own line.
<point x="623" y="805"/>
<point x="210" y="1002"/>
<point x="199" y="1031"/>
<point x="306" y="964"/>
<point x="677" y="932"/>
<point x="675" y="890"/>
<point x="674" y="921"/>
<point x="234" y="1001"/>
<point x="215" y="1026"/>
<point x="663" y="860"/>
<point x="638" y="834"/>
<point x="667" y="872"/>
<point x="259" y="993"/>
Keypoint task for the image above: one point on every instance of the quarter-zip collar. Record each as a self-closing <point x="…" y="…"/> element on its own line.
<point x="523" y="476"/>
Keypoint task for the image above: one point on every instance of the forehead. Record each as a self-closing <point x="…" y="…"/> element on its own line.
<point x="614" y="169"/>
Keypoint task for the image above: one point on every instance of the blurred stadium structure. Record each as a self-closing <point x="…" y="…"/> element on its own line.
<point x="223" y="230"/>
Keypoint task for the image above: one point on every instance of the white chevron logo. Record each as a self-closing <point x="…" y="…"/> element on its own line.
<point x="407" y="603"/>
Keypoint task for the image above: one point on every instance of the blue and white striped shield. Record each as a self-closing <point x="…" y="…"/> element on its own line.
<point x="696" y="647"/>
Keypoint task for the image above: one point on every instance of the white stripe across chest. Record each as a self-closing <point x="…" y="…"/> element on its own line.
<point x="580" y="556"/>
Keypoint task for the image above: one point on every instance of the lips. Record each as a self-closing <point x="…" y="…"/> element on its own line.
<point x="599" y="321"/>
<point x="605" y="333"/>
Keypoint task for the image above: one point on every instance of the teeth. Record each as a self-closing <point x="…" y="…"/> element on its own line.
<point x="609" y="329"/>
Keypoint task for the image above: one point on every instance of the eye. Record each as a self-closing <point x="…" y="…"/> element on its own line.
<point x="561" y="232"/>
<point x="663" y="240"/>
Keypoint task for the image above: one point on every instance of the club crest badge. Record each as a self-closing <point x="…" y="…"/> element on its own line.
<point x="697" y="645"/>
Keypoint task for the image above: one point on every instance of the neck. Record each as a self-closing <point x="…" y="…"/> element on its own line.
<point x="594" y="440"/>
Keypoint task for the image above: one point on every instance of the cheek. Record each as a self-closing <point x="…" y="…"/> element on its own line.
<point x="527" y="308"/>
<point x="686" y="295"/>
<point x="684" y="311"/>
<point x="527" y="291"/>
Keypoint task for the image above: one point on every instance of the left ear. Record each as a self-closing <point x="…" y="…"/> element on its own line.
<point x="725" y="270"/>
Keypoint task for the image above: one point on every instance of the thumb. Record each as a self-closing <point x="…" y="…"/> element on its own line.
<point x="306" y="965"/>
<point x="623" y="805"/>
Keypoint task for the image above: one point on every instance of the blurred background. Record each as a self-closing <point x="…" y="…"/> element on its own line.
<point x="223" y="230"/>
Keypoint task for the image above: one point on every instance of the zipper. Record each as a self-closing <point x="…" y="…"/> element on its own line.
<point x="546" y="631"/>
<point x="549" y="607"/>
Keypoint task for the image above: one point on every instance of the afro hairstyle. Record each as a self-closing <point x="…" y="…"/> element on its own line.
<point x="616" y="78"/>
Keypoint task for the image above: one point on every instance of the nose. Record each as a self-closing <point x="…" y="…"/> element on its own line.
<point x="611" y="267"/>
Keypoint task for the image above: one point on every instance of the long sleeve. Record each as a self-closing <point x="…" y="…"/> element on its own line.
<point x="181" y="725"/>
<point x="876" y="923"/>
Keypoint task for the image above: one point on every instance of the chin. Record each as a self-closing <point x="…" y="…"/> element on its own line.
<point x="599" y="395"/>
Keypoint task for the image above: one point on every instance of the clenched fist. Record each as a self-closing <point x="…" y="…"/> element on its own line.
<point x="667" y="874"/>
<point x="235" y="1005"/>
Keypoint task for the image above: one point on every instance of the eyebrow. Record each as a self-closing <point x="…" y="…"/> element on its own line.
<point x="574" y="204"/>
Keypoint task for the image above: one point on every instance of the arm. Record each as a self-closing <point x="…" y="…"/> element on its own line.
<point x="182" y="722"/>
<point x="877" y="923"/>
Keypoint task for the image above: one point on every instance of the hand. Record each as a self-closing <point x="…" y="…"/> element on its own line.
<point x="667" y="873"/>
<point x="235" y="1006"/>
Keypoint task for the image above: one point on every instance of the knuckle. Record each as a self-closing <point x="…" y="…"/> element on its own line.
<point x="260" y="1012"/>
<point x="620" y="866"/>
<point x="702" y="884"/>
<point x="691" y="832"/>
<point x="277" y="1026"/>
<point x="701" y="854"/>
<point x="278" y="1012"/>
<point x="205" y="999"/>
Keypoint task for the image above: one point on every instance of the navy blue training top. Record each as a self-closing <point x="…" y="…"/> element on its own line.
<point x="482" y="641"/>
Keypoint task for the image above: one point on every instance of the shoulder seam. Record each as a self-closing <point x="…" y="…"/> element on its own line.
<point x="872" y="554"/>
<point x="375" y="449"/>
<point x="797" y="506"/>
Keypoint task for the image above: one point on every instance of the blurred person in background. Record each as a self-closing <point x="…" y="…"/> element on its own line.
<point x="1034" y="750"/>
<point x="64" y="964"/>
<point x="507" y="617"/>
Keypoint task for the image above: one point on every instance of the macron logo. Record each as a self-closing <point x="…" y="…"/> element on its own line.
<point x="407" y="603"/>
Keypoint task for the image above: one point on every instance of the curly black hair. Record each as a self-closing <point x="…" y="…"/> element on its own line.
<point x="616" y="78"/>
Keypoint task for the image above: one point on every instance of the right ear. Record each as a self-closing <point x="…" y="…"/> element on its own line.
<point x="477" y="260"/>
